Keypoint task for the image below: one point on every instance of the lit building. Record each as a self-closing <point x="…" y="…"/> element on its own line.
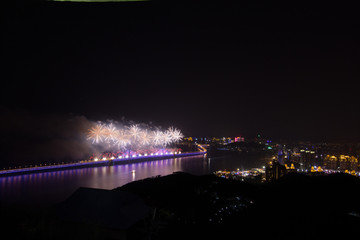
<point x="330" y="162"/>
<point x="274" y="171"/>
<point x="348" y="163"/>
<point x="280" y="155"/>
<point x="342" y="162"/>
<point x="307" y="158"/>
<point x="239" y="139"/>
<point x="316" y="171"/>
<point x="291" y="168"/>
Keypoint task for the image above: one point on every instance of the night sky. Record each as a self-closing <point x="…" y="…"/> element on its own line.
<point x="286" y="71"/>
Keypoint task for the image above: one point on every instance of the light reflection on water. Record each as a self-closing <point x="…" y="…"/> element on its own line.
<point x="47" y="188"/>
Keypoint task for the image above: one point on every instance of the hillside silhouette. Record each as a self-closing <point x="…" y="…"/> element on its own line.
<point x="296" y="206"/>
<point x="182" y="206"/>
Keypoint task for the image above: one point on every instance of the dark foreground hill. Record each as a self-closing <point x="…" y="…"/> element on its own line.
<point x="184" y="206"/>
<point x="295" y="206"/>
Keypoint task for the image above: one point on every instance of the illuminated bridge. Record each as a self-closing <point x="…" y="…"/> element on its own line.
<point x="103" y="162"/>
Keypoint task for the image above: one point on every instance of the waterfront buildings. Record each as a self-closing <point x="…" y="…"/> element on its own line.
<point x="341" y="162"/>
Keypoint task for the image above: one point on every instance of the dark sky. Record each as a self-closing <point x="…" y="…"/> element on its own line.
<point x="284" y="71"/>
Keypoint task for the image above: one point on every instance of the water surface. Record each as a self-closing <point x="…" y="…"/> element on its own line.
<point x="47" y="188"/>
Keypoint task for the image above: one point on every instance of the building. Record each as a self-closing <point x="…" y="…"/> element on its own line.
<point x="341" y="162"/>
<point x="316" y="171"/>
<point x="348" y="163"/>
<point x="307" y="158"/>
<point x="330" y="162"/>
<point x="274" y="170"/>
<point x="291" y="168"/>
<point x="239" y="139"/>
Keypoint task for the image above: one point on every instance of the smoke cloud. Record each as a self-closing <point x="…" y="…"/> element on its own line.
<point x="29" y="138"/>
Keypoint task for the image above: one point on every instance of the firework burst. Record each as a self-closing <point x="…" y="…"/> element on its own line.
<point x="96" y="133"/>
<point x="134" y="132"/>
<point x="110" y="132"/>
<point x="122" y="140"/>
<point x="175" y="134"/>
<point x="133" y="136"/>
<point x="145" y="138"/>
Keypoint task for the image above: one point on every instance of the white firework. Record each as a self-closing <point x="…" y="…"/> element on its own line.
<point x="176" y="134"/>
<point x="157" y="138"/>
<point x="110" y="132"/>
<point x="96" y="133"/>
<point x="133" y="136"/>
<point x="145" y="138"/>
<point x="166" y="138"/>
<point x="135" y="132"/>
<point x="122" y="140"/>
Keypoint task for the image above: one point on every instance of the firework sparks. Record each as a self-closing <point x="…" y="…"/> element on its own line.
<point x="175" y="134"/>
<point x="134" y="132"/>
<point x="166" y="138"/>
<point x="96" y="133"/>
<point x="145" y="138"/>
<point x="134" y="136"/>
<point x="122" y="140"/>
<point x="157" y="139"/>
<point x="110" y="132"/>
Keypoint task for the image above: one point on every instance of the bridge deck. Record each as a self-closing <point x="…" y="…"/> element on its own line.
<point x="116" y="161"/>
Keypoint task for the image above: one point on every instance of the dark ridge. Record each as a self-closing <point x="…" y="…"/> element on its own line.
<point x="183" y="206"/>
